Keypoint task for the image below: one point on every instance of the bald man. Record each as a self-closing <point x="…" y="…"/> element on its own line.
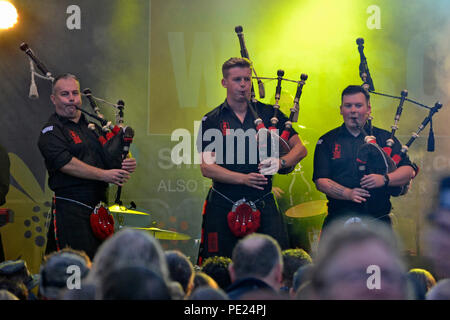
<point x="256" y="268"/>
<point x="78" y="169"/>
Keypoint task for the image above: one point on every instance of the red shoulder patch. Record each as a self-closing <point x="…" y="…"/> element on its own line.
<point x="76" y="138"/>
<point x="337" y="151"/>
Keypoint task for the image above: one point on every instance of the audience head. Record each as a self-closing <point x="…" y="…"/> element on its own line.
<point x="58" y="267"/>
<point x="201" y="279"/>
<point x="17" y="288"/>
<point x="301" y="276"/>
<point x="422" y="281"/>
<point x="217" y="268"/>
<point x="293" y="259"/>
<point x="208" y="293"/>
<point x="133" y="282"/>
<point x="304" y="292"/>
<point x="180" y="269"/>
<point x="257" y="256"/>
<point x="17" y="270"/>
<point x="176" y="290"/>
<point x="86" y="292"/>
<point x="359" y="261"/>
<point x="438" y="234"/>
<point x="6" y="295"/>
<point x="129" y="247"/>
<point x="441" y="291"/>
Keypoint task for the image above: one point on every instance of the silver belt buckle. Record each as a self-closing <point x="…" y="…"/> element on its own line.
<point x="251" y="204"/>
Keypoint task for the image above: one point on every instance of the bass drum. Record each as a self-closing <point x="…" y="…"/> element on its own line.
<point x="304" y="223"/>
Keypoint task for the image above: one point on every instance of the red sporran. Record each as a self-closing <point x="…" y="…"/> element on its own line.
<point x="102" y="222"/>
<point x="244" y="218"/>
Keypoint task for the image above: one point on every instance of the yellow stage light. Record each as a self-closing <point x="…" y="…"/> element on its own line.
<point x="8" y="15"/>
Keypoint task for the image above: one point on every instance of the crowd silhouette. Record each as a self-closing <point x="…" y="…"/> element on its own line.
<point x="362" y="260"/>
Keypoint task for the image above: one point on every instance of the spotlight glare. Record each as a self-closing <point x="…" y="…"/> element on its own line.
<point x="8" y="15"/>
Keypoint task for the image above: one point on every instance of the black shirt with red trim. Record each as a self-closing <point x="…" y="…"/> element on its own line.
<point x="62" y="139"/>
<point x="335" y="158"/>
<point x="238" y="156"/>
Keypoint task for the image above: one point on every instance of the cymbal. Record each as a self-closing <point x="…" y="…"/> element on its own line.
<point x="166" y="234"/>
<point x="308" y="209"/>
<point x="122" y="209"/>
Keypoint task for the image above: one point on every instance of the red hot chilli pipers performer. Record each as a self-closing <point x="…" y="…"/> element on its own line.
<point x="240" y="200"/>
<point x="78" y="170"/>
<point x="336" y="171"/>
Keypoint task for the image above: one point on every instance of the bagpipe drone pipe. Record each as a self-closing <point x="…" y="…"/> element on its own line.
<point x="371" y="157"/>
<point x="277" y="140"/>
<point x="115" y="139"/>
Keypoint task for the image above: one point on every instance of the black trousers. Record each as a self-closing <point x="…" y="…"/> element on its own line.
<point x="71" y="227"/>
<point x="218" y="240"/>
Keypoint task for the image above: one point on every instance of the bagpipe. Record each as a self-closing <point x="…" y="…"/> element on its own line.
<point x="279" y="142"/>
<point x="371" y="157"/>
<point x="114" y="139"/>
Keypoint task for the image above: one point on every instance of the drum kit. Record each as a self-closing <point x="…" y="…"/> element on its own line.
<point x="305" y="224"/>
<point x="140" y="220"/>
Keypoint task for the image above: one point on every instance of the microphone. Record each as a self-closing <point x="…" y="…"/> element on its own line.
<point x="33" y="94"/>
<point x="24" y="47"/>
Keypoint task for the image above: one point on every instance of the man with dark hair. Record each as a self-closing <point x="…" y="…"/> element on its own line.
<point x="17" y="288"/>
<point x="441" y="291"/>
<point x="240" y="201"/>
<point x="293" y="259"/>
<point x="55" y="273"/>
<point x="350" y="258"/>
<point x="217" y="268"/>
<point x="256" y="267"/>
<point x="78" y="166"/>
<point x="336" y="170"/>
<point x="181" y="269"/>
<point x="133" y="282"/>
<point x="438" y="231"/>
<point x="17" y="271"/>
